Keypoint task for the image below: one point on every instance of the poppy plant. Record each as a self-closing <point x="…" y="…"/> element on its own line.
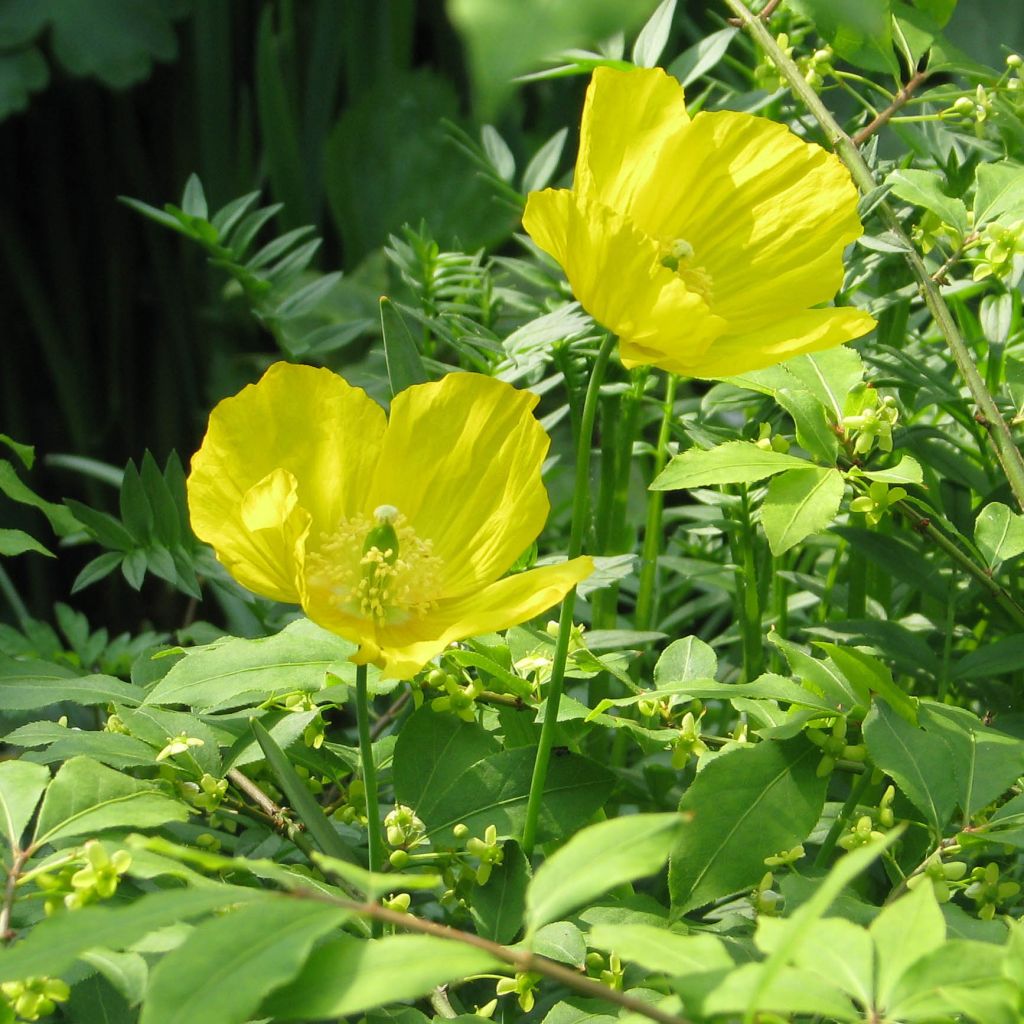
<point x="702" y="242"/>
<point x="395" y="534"/>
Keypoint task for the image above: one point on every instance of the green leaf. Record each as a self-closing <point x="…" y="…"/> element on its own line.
<point x="193" y="200"/>
<point x="227" y="965"/>
<point x="906" y="471"/>
<point x="684" y="660"/>
<point x="450" y="771"/>
<point x="29" y="685"/>
<point x="561" y="941"/>
<point x="542" y="166"/>
<point x="497" y="152"/>
<point x="993" y="659"/>
<point x="25" y="452"/>
<point x="597" y="859"/>
<point x="959" y="979"/>
<point x="86" y="797"/>
<point x="62" y="521"/>
<point x="750" y="802"/>
<point x="798" y="503"/>
<point x="700" y="58"/>
<point x="830" y="375"/>
<point x="234" y="672"/>
<point x="346" y="977"/>
<point x="999" y="533"/>
<point x="21" y="785"/>
<point x="860" y="33"/>
<point x="902" y="933"/>
<point x="660" y="950"/>
<point x="735" y="462"/>
<point x="300" y="798"/>
<point x="917" y="758"/>
<point x="505" y="38"/>
<point x="54" y="943"/>
<point x="999" y="194"/>
<point x="814" y="432"/>
<point x="17" y="542"/>
<point x="869" y="675"/>
<point x="123" y="52"/>
<point x="405" y="367"/>
<point x="650" y="43"/>
<point x="499" y="906"/>
<point x="924" y="189"/>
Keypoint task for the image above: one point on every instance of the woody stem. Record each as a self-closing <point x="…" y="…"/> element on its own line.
<point x="580" y="511"/>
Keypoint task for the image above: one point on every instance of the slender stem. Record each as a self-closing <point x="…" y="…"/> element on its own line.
<point x="645" y="599"/>
<point x="13" y="597"/>
<point x="898" y="101"/>
<point x="580" y="508"/>
<point x="988" y="412"/>
<point x="521" y="960"/>
<point x="860" y="784"/>
<point x="18" y="861"/>
<point x="376" y="843"/>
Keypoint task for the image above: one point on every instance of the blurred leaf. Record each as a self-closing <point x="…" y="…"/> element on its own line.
<point x="508" y="37"/>
<point x="22" y="72"/>
<point x="346" y="977"/>
<point x="860" y="33"/>
<point x="653" y="37"/>
<point x="113" y="40"/>
<point x="543" y="164"/>
<point x="257" y="948"/>
<point x="17" y="542"/>
<point x="700" y="58"/>
<point x="999" y="533"/>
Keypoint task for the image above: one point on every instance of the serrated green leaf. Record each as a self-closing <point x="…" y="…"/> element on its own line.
<point x="735" y="462"/>
<point x="798" y="503"/>
<point x="814" y="432"/>
<point x="999" y="193"/>
<point x="26" y="685"/>
<point x="924" y="189"/>
<point x="21" y="786"/>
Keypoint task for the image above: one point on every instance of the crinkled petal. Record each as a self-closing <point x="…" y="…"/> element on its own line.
<point x="616" y="273"/>
<point x="808" y="331"/>
<point x="462" y="461"/>
<point x="629" y="118"/>
<point x="279" y="460"/>
<point x="403" y="650"/>
<point x="768" y="215"/>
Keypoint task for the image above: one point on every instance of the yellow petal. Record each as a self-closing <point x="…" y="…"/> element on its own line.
<point x="462" y="461"/>
<point x="297" y="420"/>
<point x="629" y="117"/>
<point x="616" y="273"/>
<point x="808" y="331"/>
<point x="768" y="215"/>
<point x="405" y="649"/>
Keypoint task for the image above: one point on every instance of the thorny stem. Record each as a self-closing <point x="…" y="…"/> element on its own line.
<point x="898" y="101"/>
<point x="765" y="13"/>
<point x="580" y="507"/>
<point x="645" y="601"/>
<point x="521" y="960"/>
<point x="1006" y="449"/>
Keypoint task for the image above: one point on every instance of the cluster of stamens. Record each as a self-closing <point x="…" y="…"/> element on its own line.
<point x="378" y="569"/>
<point x="677" y="256"/>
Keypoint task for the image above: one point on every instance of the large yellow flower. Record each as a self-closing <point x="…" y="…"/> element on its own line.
<point x="702" y="243"/>
<point x="394" y="534"/>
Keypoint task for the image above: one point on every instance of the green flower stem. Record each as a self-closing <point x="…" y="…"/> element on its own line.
<point x="369" y="769"/>
<point x="999" y="432"/>
<point x="742" y="543"/>
<point x="645" y="600"/>
<point x="857" y="790"/>
<point x="580" y="508"/>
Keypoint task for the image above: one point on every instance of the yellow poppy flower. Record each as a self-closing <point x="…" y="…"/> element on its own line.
<point x="392" y="533"/>
<point x="701" y="242"/>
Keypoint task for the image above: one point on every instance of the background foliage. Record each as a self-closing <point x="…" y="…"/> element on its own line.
<point x="827" y="659"/>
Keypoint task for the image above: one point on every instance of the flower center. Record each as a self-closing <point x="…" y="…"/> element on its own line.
<point x="377" y="569"/>
<point x="678" y="257"/>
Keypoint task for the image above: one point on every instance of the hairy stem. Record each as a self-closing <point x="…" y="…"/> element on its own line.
<point x="580" y="508"/>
